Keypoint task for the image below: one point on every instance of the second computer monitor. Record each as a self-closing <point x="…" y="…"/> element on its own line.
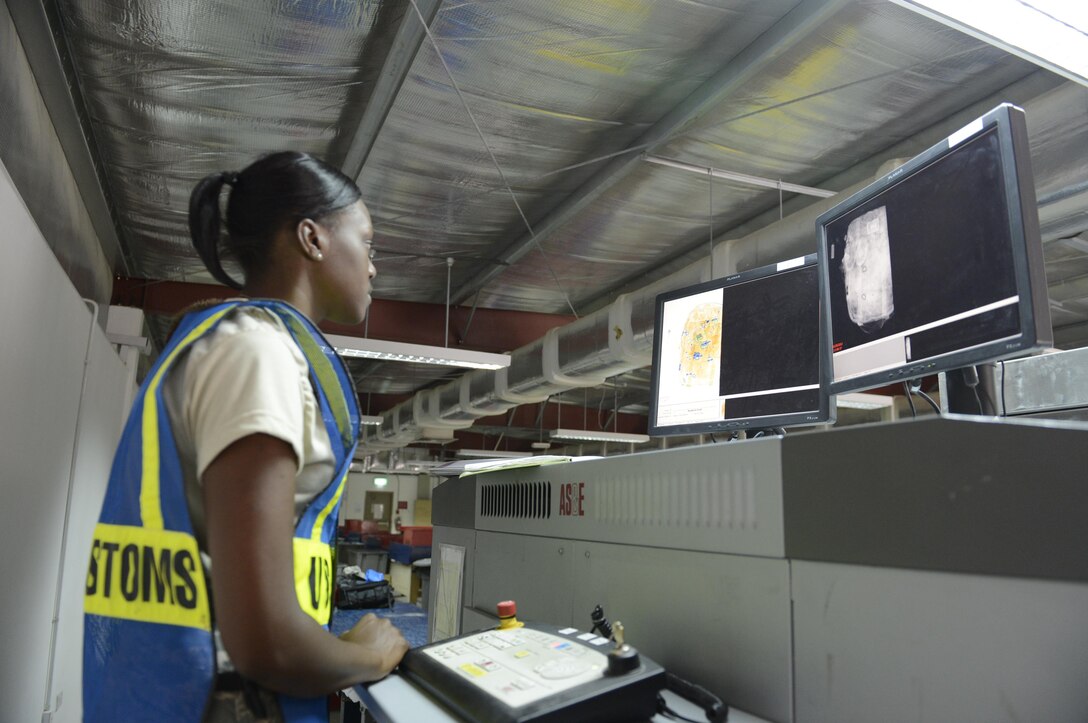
<point x="740" y="352"/>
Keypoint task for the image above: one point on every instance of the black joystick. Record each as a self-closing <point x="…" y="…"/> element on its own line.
<point x="601" y="626"/>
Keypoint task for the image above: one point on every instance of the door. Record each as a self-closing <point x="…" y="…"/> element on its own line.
<point x="378" y="507"/>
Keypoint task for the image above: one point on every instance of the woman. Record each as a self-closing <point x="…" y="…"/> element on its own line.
<point x="201" y="603"/>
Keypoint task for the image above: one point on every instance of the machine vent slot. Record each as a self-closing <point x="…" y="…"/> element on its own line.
<point x="517" y="500"/>
<point x="715" y="499"/>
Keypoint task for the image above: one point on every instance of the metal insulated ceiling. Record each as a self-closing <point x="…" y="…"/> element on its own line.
<point x="178" y="90"/>
<point x="555" y="208"/>
<point x="555" y="87"/>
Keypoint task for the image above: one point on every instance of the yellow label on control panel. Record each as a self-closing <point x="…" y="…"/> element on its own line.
<point x="474" y="670"/>
<point x="522" y="654"/>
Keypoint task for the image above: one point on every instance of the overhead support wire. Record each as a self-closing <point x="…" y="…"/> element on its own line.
<point x="398" y="61"/>
<point x="796" y="24"/>
<point x="641" y="149"/>
<point x="494" y="160"/>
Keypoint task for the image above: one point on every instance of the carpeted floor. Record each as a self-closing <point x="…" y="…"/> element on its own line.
<point x="410" y="619"/>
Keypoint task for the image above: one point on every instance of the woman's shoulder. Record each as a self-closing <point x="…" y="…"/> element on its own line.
<point x="247" y="329"/>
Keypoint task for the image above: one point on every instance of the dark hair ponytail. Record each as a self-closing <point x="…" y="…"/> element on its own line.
<point x="204" y="224"/>
<point x="274" y="191"/>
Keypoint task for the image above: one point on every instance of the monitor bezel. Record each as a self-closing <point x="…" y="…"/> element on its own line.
<point x="1027" y="254"/>
<point x="823" y="415"/>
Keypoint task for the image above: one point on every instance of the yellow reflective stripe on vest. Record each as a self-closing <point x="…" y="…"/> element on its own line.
<point x="327" y="377"/>
<point x="152" y="576"/>
<point x="150" y="502"/>
<point x="315" y="533"/>
<point x="313" y="578"/>
<point x="313" y="566"/>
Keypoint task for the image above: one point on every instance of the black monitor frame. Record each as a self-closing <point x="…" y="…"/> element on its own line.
<point x="1017" y="185"/>
<point x="824" y="413"/>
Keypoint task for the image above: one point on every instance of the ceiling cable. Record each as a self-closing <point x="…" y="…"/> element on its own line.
<point x="494" y="160"/>
<point x="471" y="314"/>
<point x="643" y="148"/>
<point x="710" y="210"/>
<point x="449" y="273"/>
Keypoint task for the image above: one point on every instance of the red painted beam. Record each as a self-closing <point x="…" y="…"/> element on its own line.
<point x="492" y="330"/>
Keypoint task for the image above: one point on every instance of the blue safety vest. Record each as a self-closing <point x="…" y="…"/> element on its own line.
<point x="148" y="653"/>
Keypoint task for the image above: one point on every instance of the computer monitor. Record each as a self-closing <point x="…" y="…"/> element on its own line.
<point x="938" y="264"/>
<point x="741" y="352"/>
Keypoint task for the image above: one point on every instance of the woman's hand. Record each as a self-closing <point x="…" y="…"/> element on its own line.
<point x="379" y="637"/>
<point x="249" y="505"/>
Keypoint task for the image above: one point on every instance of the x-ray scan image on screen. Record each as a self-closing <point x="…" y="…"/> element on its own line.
<point x="867" y="270"/>
<point x="938" y="264"/>
<point x="740" y="352"/>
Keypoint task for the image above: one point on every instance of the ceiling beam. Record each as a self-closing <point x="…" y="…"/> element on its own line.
<point x="492" y="330"/>
<point x="794" y="25"/>
<point x="40" y="31"/>
<point x="398" y="61"/>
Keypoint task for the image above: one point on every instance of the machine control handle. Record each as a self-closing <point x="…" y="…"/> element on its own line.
<point x="622" y="658"/>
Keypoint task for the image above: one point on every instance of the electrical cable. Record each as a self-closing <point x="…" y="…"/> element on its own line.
<point x="664" y="709"/>
<point x="716" y="711"/>
<point x="970" y="378"/>
<point x="1001" y="385"/>
<point x="910" y="400"/>
<point x="979" y="400"/>
<point x="936" y="407"/>
<point x="916" y="388"/>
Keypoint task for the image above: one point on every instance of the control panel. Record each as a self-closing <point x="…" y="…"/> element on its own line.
<point x="531" y="672"/>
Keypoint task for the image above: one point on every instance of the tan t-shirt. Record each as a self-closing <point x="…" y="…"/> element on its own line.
<point x="246" y="377"/>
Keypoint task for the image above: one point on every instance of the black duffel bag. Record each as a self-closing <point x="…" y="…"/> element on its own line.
<point x="353" y="593"/>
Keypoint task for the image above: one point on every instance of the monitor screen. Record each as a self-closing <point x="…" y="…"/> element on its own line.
<point x="740" y="352"/>
<point x="936" y="265"/>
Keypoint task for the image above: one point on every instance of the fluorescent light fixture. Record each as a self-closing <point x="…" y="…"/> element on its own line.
<point x="421" y="465"/>
<point x="490" y="453"/>
<point x="742" y="178"/>
<point x="372" y="420"/>
<point x="1050" y="33"/>
<point x="584" y="435"/>
<point x="864" y="401"/>
<point x="352" y="346"/>
<point x="381" y="481"/>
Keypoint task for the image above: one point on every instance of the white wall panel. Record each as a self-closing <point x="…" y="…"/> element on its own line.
<point x="45" y="331"/>
<point x="101" y="416"/>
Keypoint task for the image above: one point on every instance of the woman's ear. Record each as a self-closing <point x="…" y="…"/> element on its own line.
<point x="312" y="240"/>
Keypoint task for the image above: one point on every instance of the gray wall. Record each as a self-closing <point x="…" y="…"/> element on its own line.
<point x="62" y="387"/>
<point x="31" y="151"/>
